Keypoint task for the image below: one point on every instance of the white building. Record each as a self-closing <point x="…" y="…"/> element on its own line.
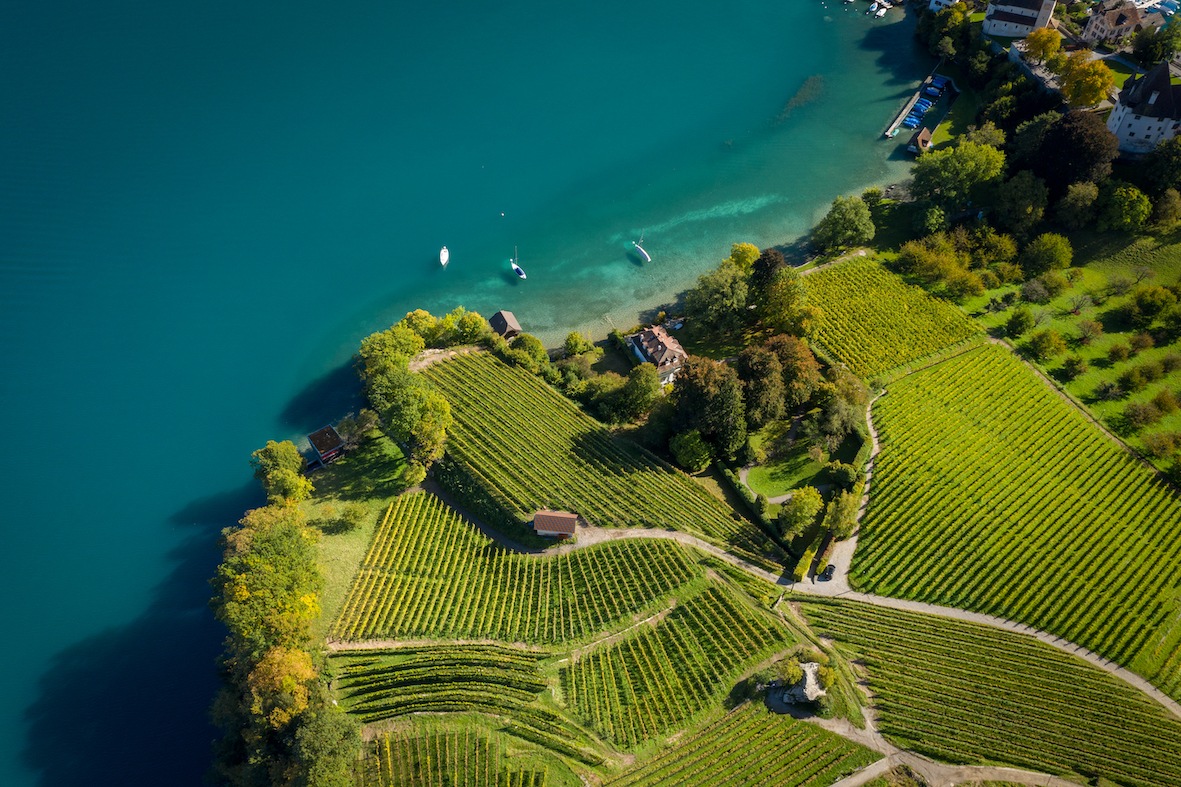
<point x="1116" y="19"/>
<point x="939" y="5"/>
<point x="1147" y="112"/>
<point x="1017" y="18"/>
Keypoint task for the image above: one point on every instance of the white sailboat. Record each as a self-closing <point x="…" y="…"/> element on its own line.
<point x="517" y="269"/>
<point x="444" y="256"/>
<point x="640" y="248"/>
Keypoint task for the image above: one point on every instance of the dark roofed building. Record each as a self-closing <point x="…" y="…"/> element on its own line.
<point x="1017" y="18"/>
<point x="505" y="324"/>
<point x="654" y="345"/>
<point x="1116" y="19"/>
<point x="920" y="142"/>
<point x="327" y="444"/>
<point x="555" y="523"/>
<point x="1147" y="112"/>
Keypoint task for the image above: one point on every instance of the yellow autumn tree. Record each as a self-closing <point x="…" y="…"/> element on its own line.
<point x="744" y="255"/>
<point x="1042" y="44"/>
<point x="279" y="687"/>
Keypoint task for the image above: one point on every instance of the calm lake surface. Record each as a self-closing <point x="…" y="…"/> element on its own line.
<point x="204" y="207"/>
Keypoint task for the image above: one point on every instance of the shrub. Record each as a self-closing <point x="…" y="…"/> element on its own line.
<point x="690" y="451"/>
<point x="1132" y="380"/>
<point x="1089" y="330"/>
<point x="1073" y="366"/>
<point x="1020" y="321"/>
<point x="1046" y="344"/>
<point x="1141" y="414"/>
<point x="842" y="474"/>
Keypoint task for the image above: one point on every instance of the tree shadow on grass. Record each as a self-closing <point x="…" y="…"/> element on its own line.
<point x="130" y="705"/>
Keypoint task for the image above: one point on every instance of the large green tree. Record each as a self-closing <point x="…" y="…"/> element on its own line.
<point x="949" y="176"/>
<point x="708" y="398"/>
<point x="1122" y="207"/>
<point x="1076" y="148"/>
<point x="801" y="371"/>
<point x="1076" y="209"/>
<point x="769" y="262"/>
<point x="1047" y="252"/>
<point x="1162" y="167"/>
<point x="326" y="746"/>
<point x="719" y="297"/>
<point x="762" y="380"/>
<point x="1021" y="202"/>
<point x="847" y="223"/>
<point x="799" y="511"/>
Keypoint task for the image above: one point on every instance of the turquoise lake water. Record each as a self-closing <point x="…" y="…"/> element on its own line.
<point x="204" y="206"/>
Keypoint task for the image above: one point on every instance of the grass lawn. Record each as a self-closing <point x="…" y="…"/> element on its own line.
<point x="699" y="338"/>
<point x="791" y="466"/>
<point x="370" y="475"/>
<point x="1108" y="258"/>
<point x="961" y="115"/>
<point x="894" y="222"/>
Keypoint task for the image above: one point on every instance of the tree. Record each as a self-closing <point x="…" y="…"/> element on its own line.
<point x="1162" y="167"/>
<point x="1122" y="207"/>
<point x="1027" y="140"/>
<point x="847" y="223"/>
<point x="801" y="372"/>
<point x="418" y="416"/>
<point x="1167" y="210"/>
<point x="1048" y="251"/>
<point x="1020" y="321"/>
<point x="872" y="197"/>
<point x="277" y="456"/>
<point x="391" y="348"/>
<point x="987" y="134"/>
<point x="1021" y="201"/>
<point x="1150" y="47"/>
<point x="278" y="685"/>
<point x="708" y="397"/>
<point x="1077" y="208"/>
<point x="353" y="428"/>
<point x="762" y="384"/>
<point x="719" y="297"/>
<point x="577" y="344"/>
<point x="949" y="176"/>
<point x="843" y="474"/>
<point x="744" y="255"/>
<point x="1073" y="366"/>
<point x="769" y="263"/>
<point x="532" y="347"/>
<point x="326" y="746"/>
<point x="799" y="511"/>
<point x="1045" y="344"/>
<point x="1076" y="148"/>
<point x="422" y="323"/>
<point x="639" y="393"/>
<point x="1086" y="82"/>
<point x="690" y="451"/>
<point x="1089" y="331"/>
<point x="1148" y="303"/>
<point x="933" y="259"/>
<point x="945" y="48"/>
<point x="783" y="301"/>
<point x="287" y="487"/>
<point x="841" y="515"/>
<point x="1042" y="44"/>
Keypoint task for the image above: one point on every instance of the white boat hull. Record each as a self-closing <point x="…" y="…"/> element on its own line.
<point x="444" y="256"/>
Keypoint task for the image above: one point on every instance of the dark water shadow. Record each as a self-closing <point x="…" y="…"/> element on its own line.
<point x="326" y="399"/>
<point x="129" y="706"/>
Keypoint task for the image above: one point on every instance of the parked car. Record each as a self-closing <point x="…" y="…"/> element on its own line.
<point x="827" y="573"/>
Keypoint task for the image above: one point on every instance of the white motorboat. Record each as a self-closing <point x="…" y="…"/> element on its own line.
<point x="640" y="248"/>
<point x="444" y="256"/>
<point x="517" y="269"/>
<point x="872" y="8"/>
<point x="882" y="11"/>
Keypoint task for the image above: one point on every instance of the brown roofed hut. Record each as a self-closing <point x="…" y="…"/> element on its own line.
<point x="327" y="444"/>
<point x="505" y="324"/>
<point x="561" y="524"/>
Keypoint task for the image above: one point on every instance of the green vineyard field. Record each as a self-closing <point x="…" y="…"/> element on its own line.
<point x="874" y="321"/>
<point x="430" y="573"/>
<point x="532" y="448"/>
<point x="753" y="746"/>
<point x="962" y="692"/>
<point x="457" y="758"/>
<point x="992" y="494"/>
<point x="654" y="681"/>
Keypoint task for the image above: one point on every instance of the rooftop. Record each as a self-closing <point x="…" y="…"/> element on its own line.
<point x="325" y="440"/>
<point x="660" y="348"/>
<point x="1153" y="94"/>
<point x="555" y="521"/>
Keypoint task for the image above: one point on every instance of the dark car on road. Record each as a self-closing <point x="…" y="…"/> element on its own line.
<point x="827" y="573"/>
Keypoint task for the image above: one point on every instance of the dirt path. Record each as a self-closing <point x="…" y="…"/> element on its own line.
<point x="429" y="357"/>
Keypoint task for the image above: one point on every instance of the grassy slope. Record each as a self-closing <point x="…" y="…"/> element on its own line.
<point x="1107" y="259"/>
<point x="874" y="322"/>
<point x="993" y="494"/>
<point x="963" y="692"/>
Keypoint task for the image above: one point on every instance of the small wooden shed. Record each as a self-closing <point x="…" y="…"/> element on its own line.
<point x="505" y="324"/>
<point x="561" y="524"/>
<point x="327" y="444"/>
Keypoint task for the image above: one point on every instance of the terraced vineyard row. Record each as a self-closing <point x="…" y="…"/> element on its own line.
<point x="536" y="449"/>
<point x="968" y="693"/>
<point x="753" y="746"/>
<point x="652" y="682"/>
<point x="992" y="494"/>
<point x="464" y="758"/>
<point x="429" y="572"/>
<point x="874" y="321"/>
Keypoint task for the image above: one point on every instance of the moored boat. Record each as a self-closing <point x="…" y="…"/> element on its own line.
<point x="517" y="269"/>
<point x="637" y="243"/>
<point x="444" y="256"/>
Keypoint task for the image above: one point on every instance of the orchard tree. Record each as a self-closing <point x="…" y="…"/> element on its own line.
<point x="1020" y="321"/>
<point x="847" y="223"/>
<point x="1021" y="201"/>
<point x="1042" y="44"/>
<point x="1045" y="344"/>
<point x="799" y="511"/>
<point x="1047" y="252"/>
<point x="950" y="175"/>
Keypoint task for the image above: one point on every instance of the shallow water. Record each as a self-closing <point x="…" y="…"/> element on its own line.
<point x="203" y="207"/>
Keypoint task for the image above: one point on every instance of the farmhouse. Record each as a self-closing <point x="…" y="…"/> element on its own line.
<point x="505" y="324"/>
<point x="654" y="345"/>
<point x="327" y="444"/>
<point x="1017" y="18"/>
<point x="1147" y="112"/>
<point x="554" y="523"/>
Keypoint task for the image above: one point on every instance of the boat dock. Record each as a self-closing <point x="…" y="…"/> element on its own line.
<point x="896" y="124"/>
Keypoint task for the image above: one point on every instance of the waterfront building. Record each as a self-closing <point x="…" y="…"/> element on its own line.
<point x="654" y="345"/>
<point x="1114" y="20"/>
<point x="1147" y="112"/>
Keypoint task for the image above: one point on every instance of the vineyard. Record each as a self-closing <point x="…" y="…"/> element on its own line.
<point x="532" y="448"/>
<point x="428" y="572"/>
<point x="752" y="746"/>
<point x="654" y="681"/>
<point x="454" y="758"/>
<point x="873" y="321"/>
<point x="962" y="692"/>
<point x="992" y="494"/>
